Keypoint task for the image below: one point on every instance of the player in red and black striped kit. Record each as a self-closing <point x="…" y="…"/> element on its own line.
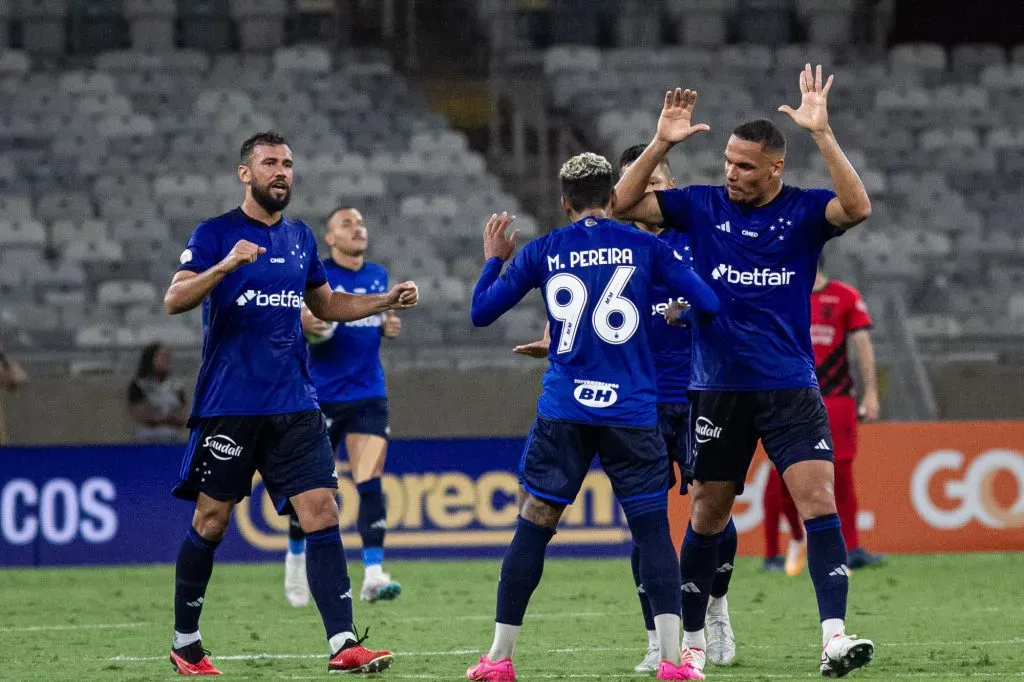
<point x="839" y="319"/>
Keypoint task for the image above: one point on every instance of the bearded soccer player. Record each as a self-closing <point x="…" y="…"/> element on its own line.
<point x="344" y="361"/>
<point x="757" y="242"/>
<point x="840" y="320"/>
<point x="255" y="409"/>
<point x="599" y="394"/>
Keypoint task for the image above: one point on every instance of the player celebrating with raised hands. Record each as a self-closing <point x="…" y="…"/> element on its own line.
<point x="757" y="242"/>
<point x="255" y="408"/>
<point x="599" y="395"/>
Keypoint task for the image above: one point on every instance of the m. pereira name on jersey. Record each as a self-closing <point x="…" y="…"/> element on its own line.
<point x="282" y="299"/>
<point x="765" y="277"/>
<point x="591" y="257"/>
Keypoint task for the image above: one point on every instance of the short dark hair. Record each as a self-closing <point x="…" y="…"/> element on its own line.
<point x="146" y="360"/>
<point x="764" y="132"/>
<point x="271" y="137"/>
<point x="587" y="180"/>
<point x="631" y="154"/>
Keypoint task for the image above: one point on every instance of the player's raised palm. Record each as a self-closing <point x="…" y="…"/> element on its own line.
<point x="676" y="122"/>
<point x="812" y="114"/>
<point x="496" y="244"/>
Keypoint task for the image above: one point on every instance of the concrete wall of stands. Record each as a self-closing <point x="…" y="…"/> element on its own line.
<point x="438" y="403"/>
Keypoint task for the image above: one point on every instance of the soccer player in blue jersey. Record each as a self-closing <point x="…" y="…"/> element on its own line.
<point x="599" y="394"/>
<point x="344" y="361"/>
<point x="757" y="242"/>
<point x="671" y="345"/>
<point x="255" y="408"/>
<point x="671" y="348"/>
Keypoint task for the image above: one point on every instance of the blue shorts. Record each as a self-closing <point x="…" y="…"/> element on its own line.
<point x="369" y="416"/>
<point x="674" y="424"/>
<point x="557" y="458"/>
<point x="290" y="451"/>
<point x="791" y="423"/>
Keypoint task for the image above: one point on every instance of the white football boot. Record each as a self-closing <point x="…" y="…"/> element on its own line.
<point x="651" y="659"/>
<point x="379" y="587"/>
<point x="721" y="641"/>
<point x="296" y="588"/>
<point x="845" y="653"/>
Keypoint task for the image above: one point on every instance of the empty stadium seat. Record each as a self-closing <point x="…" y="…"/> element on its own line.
<point x="151" y="24"/>
<point x="260" y="24"/>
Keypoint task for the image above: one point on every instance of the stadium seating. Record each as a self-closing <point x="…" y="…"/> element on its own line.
<point x="937" y="137"/>
<point x="118" y="160"/>
<point x="108" y="165"/>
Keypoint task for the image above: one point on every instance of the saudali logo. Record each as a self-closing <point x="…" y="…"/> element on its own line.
<point x="222" y="447"/>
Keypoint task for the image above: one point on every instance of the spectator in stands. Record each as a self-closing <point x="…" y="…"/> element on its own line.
<point x="12" y="377"/>
<point x="157" y="401"/>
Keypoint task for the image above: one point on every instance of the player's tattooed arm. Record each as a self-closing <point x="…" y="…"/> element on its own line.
<point x="632" y="200"/>
<point x="339" y="306"/>
<point x="852" y="205"/>
<point x="188" y="289"/>
<point x="540" y="512"/>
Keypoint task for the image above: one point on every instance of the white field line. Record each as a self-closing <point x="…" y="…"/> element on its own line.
<point x="573" y="650"/>
<point x="91" y="626"/>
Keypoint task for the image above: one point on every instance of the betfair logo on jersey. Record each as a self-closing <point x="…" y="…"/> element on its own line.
<point x="282" y="299"/>
<point x="765" y="277"/>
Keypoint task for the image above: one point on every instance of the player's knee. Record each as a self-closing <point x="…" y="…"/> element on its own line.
<point x="541" y="512"/>
<point x="711" y="509"/>
<point x="212" y="523"/>
<point x="318" y="511"/>
<point x="814" y="500"/>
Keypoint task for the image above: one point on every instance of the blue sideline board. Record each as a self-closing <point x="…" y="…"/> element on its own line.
<point x="111" y="504"/>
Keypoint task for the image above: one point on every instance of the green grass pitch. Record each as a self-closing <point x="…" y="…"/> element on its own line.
<point x="931" y="617"/>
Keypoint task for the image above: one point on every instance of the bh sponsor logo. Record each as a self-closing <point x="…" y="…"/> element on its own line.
<point x="765" y="277"/>
<point x="222" y="447"/>
<point x="596" y="394"/>
<point x="706" y="430"/>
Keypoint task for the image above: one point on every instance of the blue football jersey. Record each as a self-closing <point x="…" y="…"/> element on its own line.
<point x="761" y="262"/>
<point x="671" y="346"/>
<point x="347" y="366"/>
<point x="254" y="354"/>
<point x="596" y="277"/>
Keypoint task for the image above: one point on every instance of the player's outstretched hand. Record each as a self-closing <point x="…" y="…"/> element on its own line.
<point x="403" y="296"/>
<point x="392" y="325"/>
<point x="813" y="112"/>
<point x="676" y="122"/>
<point x="242" y="253"/>
<point x="674" y="314"/>
<point x="496" y="244"/>
<point x="535" y="349"/>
